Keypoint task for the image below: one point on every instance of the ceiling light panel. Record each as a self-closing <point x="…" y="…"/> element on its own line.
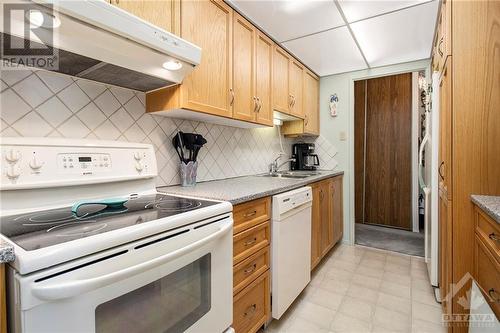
<point x="285" y="20"/>
<point x="329" y="52"/>
<point x="358" y="10"/>
<point x="397" y="37"/>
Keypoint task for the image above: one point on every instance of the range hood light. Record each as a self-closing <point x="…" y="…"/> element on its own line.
<point x="42" y="19"/>
<point x="172" y="65"/>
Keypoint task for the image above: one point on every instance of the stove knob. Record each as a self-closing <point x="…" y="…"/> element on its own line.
<point x="35" y="165"/>
<point x="139" y="167"/>
<point x="13" y="172"/>
<point x="12" y="156"/>
<point x="137" y="156"/>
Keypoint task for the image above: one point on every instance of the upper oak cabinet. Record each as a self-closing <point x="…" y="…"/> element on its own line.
<point x="158" y="12"/>
<point x="296" y="88"/>
<point x="310" y="107"/>
<point x="281" y="72"/>
<point x="208" y="88"/>
<point x="252" y="71"/>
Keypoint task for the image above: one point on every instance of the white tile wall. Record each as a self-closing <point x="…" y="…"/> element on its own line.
<point x="40" y="103"/>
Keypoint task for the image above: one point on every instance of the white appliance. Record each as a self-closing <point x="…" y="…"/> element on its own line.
<point x="482" y="319"/>
<point x="290" y="247"/>
<point x="98" y="41"/>
<point x="98" y="249"/>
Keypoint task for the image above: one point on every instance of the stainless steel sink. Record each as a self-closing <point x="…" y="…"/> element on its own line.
<point x="291" y="174"/>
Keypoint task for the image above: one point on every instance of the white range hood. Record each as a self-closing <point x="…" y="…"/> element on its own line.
<point x="101" y="42"/>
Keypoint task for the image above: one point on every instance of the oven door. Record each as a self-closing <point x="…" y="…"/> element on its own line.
<point x="174" y="282"/>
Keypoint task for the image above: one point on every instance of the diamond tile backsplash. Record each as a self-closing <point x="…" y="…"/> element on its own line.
<point x="40" y="103"/>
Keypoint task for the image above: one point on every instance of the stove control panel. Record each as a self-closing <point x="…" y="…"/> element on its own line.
<point x="44" y="162"/>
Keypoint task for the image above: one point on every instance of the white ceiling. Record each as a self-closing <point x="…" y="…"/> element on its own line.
<point x="340" y="36"/>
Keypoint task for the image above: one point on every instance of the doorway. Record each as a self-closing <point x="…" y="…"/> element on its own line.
<point x="383" y="161"/>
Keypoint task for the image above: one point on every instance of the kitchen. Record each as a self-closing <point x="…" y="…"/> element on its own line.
<point x="222" y="178"/>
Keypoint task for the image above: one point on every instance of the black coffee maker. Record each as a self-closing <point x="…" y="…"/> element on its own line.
<point x="305" y="158"/>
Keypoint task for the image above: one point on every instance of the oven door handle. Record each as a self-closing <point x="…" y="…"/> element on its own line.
<point x="61" y="290"/>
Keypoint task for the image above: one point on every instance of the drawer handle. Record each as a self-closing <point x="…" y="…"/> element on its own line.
<point x="439" y="170"/>
<point x="251" y="242"/>
<point x="494" y="237"/>
<point x="250" y="270"/>
<point x="494" y="295"/>
<point x="250" y="310"/>
<point x="439" y="47"/>
<point x="250" y="214"/>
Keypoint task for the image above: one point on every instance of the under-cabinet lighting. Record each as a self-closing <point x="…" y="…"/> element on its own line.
<point x="172" y="65"/>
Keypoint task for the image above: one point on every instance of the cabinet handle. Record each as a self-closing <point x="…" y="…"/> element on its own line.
<point x="289" y="100"/>
<point x="494" y="237"/>
<point x="255" y="104"/>
<point x="250" y="270"/>
<point x="252" y="213"/>
<point x="231" y="91"/>
<point x="259" y="104"/>
<point x="250" y="310"/>
<point x="494" y="295"/>
<point x="439" y="47"/>
<point x="306" y="120"/>
<point x="251" y="242"/>
<point x="293" y="101"/>
<point x="439" y="170"/>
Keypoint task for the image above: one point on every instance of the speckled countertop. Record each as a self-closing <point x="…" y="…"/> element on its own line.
<point x="6" y="252"/>
<point x="490" y="204"/>
<point x="242" y="189"/>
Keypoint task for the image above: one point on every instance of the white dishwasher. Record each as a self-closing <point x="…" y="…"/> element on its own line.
<point x="290" y="247"/>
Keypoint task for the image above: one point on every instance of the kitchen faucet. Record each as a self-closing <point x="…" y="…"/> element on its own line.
<point x="274" y="166"/>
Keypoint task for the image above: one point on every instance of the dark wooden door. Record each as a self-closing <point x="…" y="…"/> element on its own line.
<point x="359" y="149"/>
<point x="388" y="151"/>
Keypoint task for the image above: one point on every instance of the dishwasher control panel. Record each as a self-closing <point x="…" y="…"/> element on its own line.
<point x="287" y="201"/>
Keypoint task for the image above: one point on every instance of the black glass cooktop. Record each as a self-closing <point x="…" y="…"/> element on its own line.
<point x="50" y="227"/>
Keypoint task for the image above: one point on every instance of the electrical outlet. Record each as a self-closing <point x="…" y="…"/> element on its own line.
<point x="343" y="136"/>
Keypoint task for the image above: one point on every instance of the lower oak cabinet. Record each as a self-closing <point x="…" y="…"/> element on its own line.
<point x="251" y="259"/>
<point x="3" y="301"/>
<point x="327" y="217"/>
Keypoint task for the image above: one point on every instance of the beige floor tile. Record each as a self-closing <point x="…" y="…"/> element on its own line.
<point x="371" y="272"/>
<point x="380" y="329"/>
<point x="356" y="308"/>
<point x="426" y="312"/>
<point x="398" y="269"/>
<point x="366" y="281"/>
<point x="349" y="257"/>
<point x="394" y="303"/>
<point x="354" y="250"/>
<point x="342" y="323"/>
<point x="372" y="263"/>
<point x="374" y="254"/>
<point x="395" y="289"/>
<point x="397" y="278"/>
<point x="362" y="293"/>
<point x="421" y="326"/>
<point x="421" y="284"/>
<point x="425" y="297"/>
<point x="345" y="265"/>
<point x="336" y="273"/>
<point x="316" y="279"/>
<point x="325" y="298"/>
<point x="334" y="285"/>
<point x="419" y="274"/>
<point x="314" y="313"/>
<point x="391" y="320"/>
<point x="301" y="325"/>
<point x="398" y="259"/>
<point x="307" y="292"/>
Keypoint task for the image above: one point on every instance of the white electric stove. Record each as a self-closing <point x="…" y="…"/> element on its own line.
<point x="98" y="249"/>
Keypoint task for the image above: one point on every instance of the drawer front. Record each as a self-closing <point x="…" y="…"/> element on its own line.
<point x="252" y="305"/>
<point x="249" y="214"/>
<point x="249" y="269"/>
<point x="250" y="241"/>
<point x="488" y="275"/>
<point x="489" y="231"/>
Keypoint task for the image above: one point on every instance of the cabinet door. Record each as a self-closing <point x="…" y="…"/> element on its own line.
<point x="337" y="209"/>
<point x="311" y="103"/>
<point x="445" y="123"/>
<point x="263" y="78"/>
<point x="281" y="96"/>
<point x="158" y="12"/>
<point x="208" y="24"/>
<point x="296" y="88"/>
<point x="445" y="248"/>
<point x="245" y="104"/>
<point x="326" y="217"/>
<point x="316" y="225"/>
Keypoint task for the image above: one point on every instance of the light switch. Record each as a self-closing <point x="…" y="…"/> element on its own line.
<point x="343" y="136"/>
